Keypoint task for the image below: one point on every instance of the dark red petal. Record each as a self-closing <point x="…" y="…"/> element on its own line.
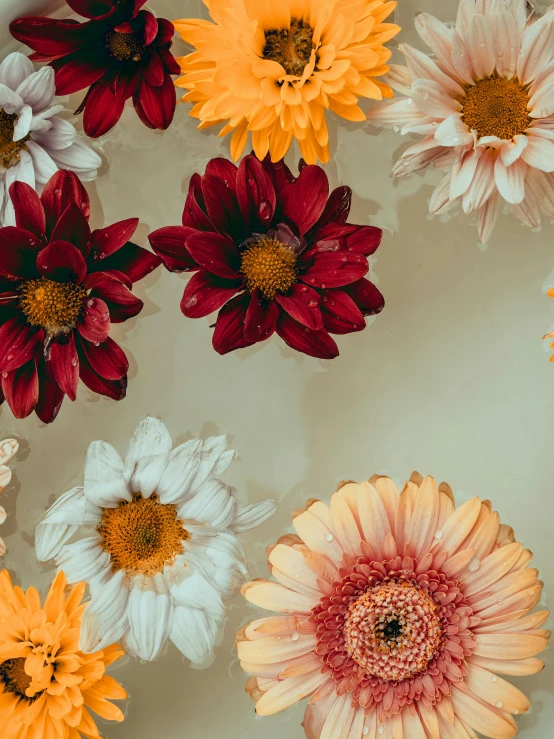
<point x="153" y="70"/>
<point x="194" y="214"/>
<point x="341" y="315"/>
<point x="229" y="328"/>
<point x="94" y="322"/>
<point x="336" y="268"/>
<point x="223" y="208"/>
<point x="102" y="110"/>
<point x="107" y="359"/>
<point x="304" y="199"/>
<point x="121" y="302"/>
<point x="261" y="318"/>
<point x="18" y="252"/>
<point x="20" y="389"/>
<point x="132" y="260"/>
<point x="49" y="37"/>
<point x="106" y="241"/>
<point x="150" y="26"/>
<point x="127" y="82"/>
<point x="215" y="254"/>
<point x="79" y="72"/>
<point x="115" y="389"/>
<point x="169" y="245"/>
<point x="73" y="227"/>
<point x="256" y="195"/>
<point x="18" y="343"/>
<point x="93" y="278"/>
<point x="137" y="6"/>
<point x="314" y="343"/>
<point x="50" y="396"/>
<point x="171" y="64"/>
<point x="224" y="170"/>
<point x="62" y="262"/>
<point x="337" y="208"/>
<point x="166" y="31"/>
<point x="365" y="240"/>
<point x="302" y="304"/>
<point x="139" y="109"/>
<point x="158" y="103"/>
<point x="29" y="213"/>
<point x="279" y="174"/>
<point x="92" y="8"/>
<point x="205" y="294"/>
<point x="65" y="364"/>
<point x="62" y="189"/>
<point x="366" y="296"/>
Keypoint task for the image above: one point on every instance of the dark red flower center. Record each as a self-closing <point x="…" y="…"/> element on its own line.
<point x="14" y="677"/>
<point x="54" y="306"/>
<point x="291" y="47"/>
<point x="125" y="47"/>
<point x="268" y="266"/>
<point x="9" y="149"/>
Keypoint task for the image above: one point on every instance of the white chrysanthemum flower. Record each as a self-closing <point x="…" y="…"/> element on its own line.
<point x="34" y="142"/>
<point x="163" y="555"/>
<point x="8" y="450"/>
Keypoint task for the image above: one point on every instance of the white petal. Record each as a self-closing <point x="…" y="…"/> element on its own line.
<point x="466" y="11"/>
<point x="196" y="591"/>
<point x="8" y="450"/>
<point x="249" y="516"/>
<point x="536" y="49"/>
<point x="55" y="134"/>
<point x="23" y="171"/>
<point x="528" y="210"/>
<point x="438" y="38"/>
<point x="462" y="174"/>
<point x="542" y="187"/>
<point x="510" y="180"/>
<point x="38" y="89"/>
<point x="23" y="123"/>
<point x="213" y="504"/>
<point x="453" y="132"/>
<point x="512" y="149"/>
<point x="79" y="158"/>
<point x="539" y="152"/>
<point x="3" y="515"/>
<point x="45" y="167"/>
<point x="422" y="67"/>
<point x="104" y="483"/>
<point x="220" y="557"/>
<point x="84" y="560"/>
<point x="432" y="98"/>
<point x="482" y="185"/>
<point x="105" y="618"/>
<point x="396" y="114"/>
<point x="398" y="78"/>
<point x="461" y="60"/>
<point x="223" y="462"/>
<point x="194" y="634"/>
<point x="14" y="69"/>
<point x="541" y="104"/>
<point x="10" y="100"/>
<point x="486" y="218"/>
<point x="481" y="45"/>
<point x="150" y="619"/>
<point x="147" y="457"/>
<point x="61" y="521"/>
<point x="507" y="44"/>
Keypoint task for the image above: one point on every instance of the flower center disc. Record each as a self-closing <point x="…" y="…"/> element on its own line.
<point x="55" y="306"/>
<point x="124" y="47"/>
<point x="496" y="107"/>
<point x="291" y="47"/>
<point x="14" y="677"/>
<point x="393" y="631"/>
<point x="269" y="266"/>
<point x="9" y="149"/>
<point x="142" y="536"/>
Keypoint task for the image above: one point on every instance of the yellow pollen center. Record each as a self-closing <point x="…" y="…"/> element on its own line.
<point x="9" y="149"/>
<point x="269" y="266"/>
<point x="124" y="47"/>
<point x="291" y="47"/>
<point x="14" y="677"/>
<point x="55" y="306"/>
<point x="142" y="536"/>
<point x="496" y="107"/>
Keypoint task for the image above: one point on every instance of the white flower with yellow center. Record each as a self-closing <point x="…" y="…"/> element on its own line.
<point x="162" y="555"/>
<point x="8" y="450"/>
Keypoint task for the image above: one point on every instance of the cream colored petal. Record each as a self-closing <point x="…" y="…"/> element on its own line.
<point x="273" y="625"/>
<point x="389" y="494"/>
<point x="480" y="717"/>
<point x="447" y="505"/>
<point x="288" y="692"/>
<point x="403" y="518"/>
<point x="509" y="646"/>
<point x="412" y="726"/>
<point x="272" y="649"/>
<point x="291" y="562"/>
<point x="317" y="536"/>
<point x="339" y="719"/>
<point x="429" y="720"/>
<point x="515" y="667"/>
<point x="492" y="568"/>
<point x="345" y="525"/>
<point x="445" y="709"/>
<point x="455" y="730"/>
<point x="495" y="690"/>
<point x="425" y="517"/>
<point x="484" y="539"/>
<point x="373" y="518"/>
<point x="458" y="526"/>
<point x="458" y="562"/>
<point x="302" y="665"/>
<point x="510" y="584"/>
<point x="316" y="712"/>
<point x="528" y="623"/>
<point x="349" y="492"/>
<point x="275" y="597"/>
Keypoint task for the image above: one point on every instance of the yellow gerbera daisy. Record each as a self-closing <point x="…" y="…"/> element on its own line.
<point x="46" y="684"/>
<point x="273" y="67"/>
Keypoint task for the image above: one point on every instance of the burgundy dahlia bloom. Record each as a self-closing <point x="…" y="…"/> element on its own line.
<point x="120" y="52"/>
<point x="274" y="252"/>
<point x="61" y="287"/>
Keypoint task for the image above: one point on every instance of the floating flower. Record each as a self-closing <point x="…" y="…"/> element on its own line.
<point x="164" y="556"/>
<point x="34" y="142"/>
<point x="484" y="107"/>
<point x="47" y="685"/>
<point x="8" y="450"/>
<point x="61" y="287"/>
<point x="273" y="69"/>
<point x="119" y="53"/>
<point x="398" y="611"/>
<point x="276" y="252"/>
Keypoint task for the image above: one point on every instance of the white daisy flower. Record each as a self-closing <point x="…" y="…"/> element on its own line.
<point x="8" y="450"/>
<point x="34" y="142"/>
<point x="163" y="555"/>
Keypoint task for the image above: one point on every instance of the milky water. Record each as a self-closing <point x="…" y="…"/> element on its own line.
<point x="451" y="379"/>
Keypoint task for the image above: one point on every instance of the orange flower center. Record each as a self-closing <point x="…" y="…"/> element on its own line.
<point x="496" y="107"/>
<point x="9" y="149"/>
<point x="124" y="47"/>
<point x="14" y="677"/>
<point x="55" y="306"/>
<point x="269" y="266"/>
<point x="142" y="536"/>
<point x="291" y="47"/>
<point x="393" y="631"/>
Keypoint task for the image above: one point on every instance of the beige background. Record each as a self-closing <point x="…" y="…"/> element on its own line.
<point x="450" y="379"/>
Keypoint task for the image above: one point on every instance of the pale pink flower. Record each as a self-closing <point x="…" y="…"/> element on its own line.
<point x="484" y="107"/>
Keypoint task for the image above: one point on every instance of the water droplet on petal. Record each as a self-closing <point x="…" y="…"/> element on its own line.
<point x="365" y="732"/>
<point x="499" y="704"/>
<point x="474" y="564"/>
<point x="425" y="94"/>
<point x="409" y="101"/>
<point x="74" y="361"/>
<point x="191" y="301"/>
<point x="295" y="636"/>
<point x="494" y="678"/>
<point x="90" y="303"/>
<point x="438" y="534"/>
<point x="4" y="375"/>
<point x="396" y="129"/>
<point x="380" y="731"/>
<point x="96" y="343"/>
<point x="9" y="357"/>
<point x="312" y="304"/>
<point x="94" y="319"/>
<point x="531" y="591"/>
<point x="456" y="139"/>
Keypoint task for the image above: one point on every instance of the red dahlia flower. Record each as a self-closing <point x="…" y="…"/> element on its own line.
<point x="121" y="52"/>
<point x="275" y="253"/>
<point x="61" y="287"/>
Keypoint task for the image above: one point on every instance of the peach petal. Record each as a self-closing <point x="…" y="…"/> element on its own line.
<point x="339" y="719"/>
<point x="514" y="667"/>
<point x="495" y="690"/>
<point x="345" y="525"/>
<point x="509" y="646"/>
<point x="373" y="518"/>
<point x="484" y="539"/>
<point x="288" y="692"/>
<point x="272" y="649"/>
<point x="317" y="536"/>
<point x="275" y="597"/>
<point x="458" y="526"/>
<point x="483" y="719"/>
<point x="411" y="725"/>
<point x="425" y="517"/>
<point x="492" y="568"/>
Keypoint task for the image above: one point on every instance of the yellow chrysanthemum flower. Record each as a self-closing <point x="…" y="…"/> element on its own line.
<point x="273" y="67"/>
<point x="47" y="685"/>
